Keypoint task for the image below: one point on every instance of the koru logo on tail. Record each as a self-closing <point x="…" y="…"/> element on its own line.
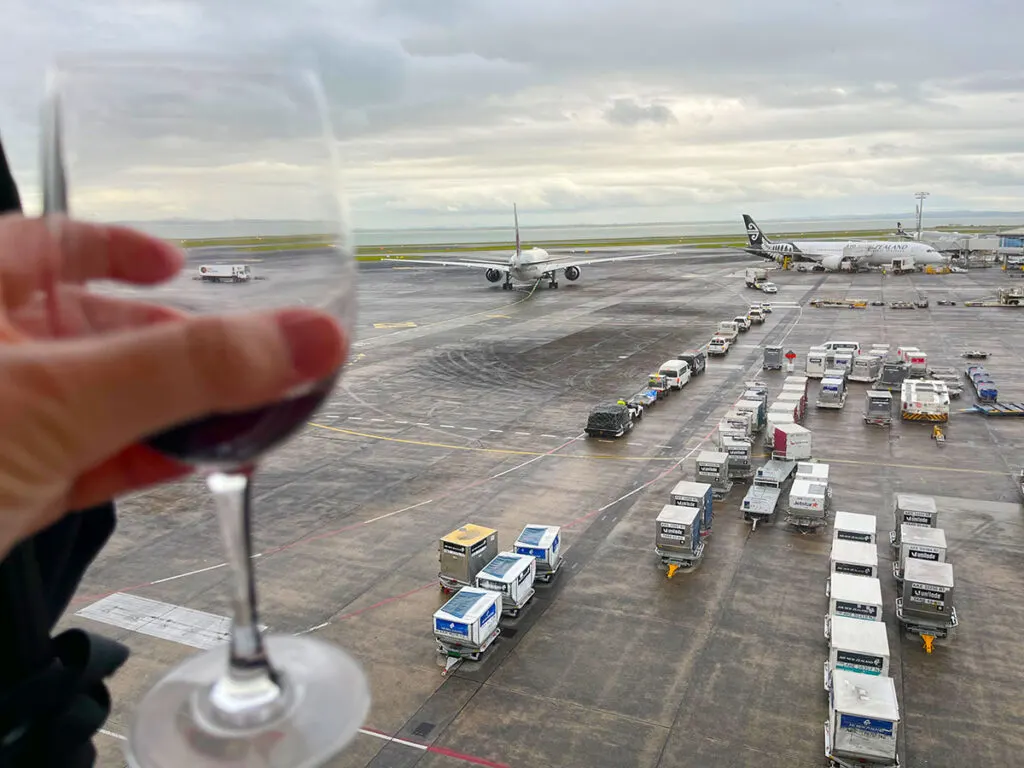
<point x="753" y="232"/>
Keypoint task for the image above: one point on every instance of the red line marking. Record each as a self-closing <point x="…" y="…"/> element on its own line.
<point x="465" y="758"/>
<point x="385" y="601"/>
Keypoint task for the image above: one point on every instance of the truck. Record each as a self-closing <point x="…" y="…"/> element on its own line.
<point x="719" y="345"/>
<point x="728" y="329"/>
<point x="231" y="273"/>
<point x="754" y="276"/>
<point x="1011" y="297"/>
<point x="899" y="266"/>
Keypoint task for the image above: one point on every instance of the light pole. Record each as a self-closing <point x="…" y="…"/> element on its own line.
<point x="920" y="210"/>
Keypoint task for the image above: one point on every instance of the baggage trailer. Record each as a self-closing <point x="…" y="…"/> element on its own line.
<point x="852" y="526"/>
<point x="863" y="717"/>
<point x="462" y="553"/>
<point x="926" y="605"/>
<point x="912" y="509"/>
<point x="512" y="576"/>
<point x="712" y="467"/>
<point x="855" y="597"/>
<point x="678" y="540"/>
<point x="466" y="626"/>
<point x="857" y="646"/>
<point x="544" y="544"/>
<point x="878" y="408"/>
<point x="918" y="542"/>
<point x="763" y="497"/>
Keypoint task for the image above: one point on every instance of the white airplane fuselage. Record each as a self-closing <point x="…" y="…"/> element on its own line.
<point x="529" y="266"/>
<point x="875" y="253"/>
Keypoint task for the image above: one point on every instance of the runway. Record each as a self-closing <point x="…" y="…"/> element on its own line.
<point x="465" y="403"/>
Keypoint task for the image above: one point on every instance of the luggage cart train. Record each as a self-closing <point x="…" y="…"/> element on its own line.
<point x="488" y="586"/>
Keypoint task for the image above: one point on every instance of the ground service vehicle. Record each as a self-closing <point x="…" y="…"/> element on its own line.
<point x="695" y="359"/>
<point x="728" y="329"/>
<point x="659" y="384"/>
<point x="769" y="288"/>
<point x="228" y="273"/>
<point x="677" y="372"/>
<point x="754" y="276"/>
<point x="718" y="346"/>
<point x="609" y="421"/>
<point x="742" y="321"/>
<point x="755" y="314"/>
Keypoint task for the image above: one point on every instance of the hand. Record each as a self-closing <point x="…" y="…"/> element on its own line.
<point x="84" y="378"/>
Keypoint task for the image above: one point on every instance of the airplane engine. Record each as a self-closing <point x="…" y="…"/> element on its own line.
<point x="493" y="275"/>
<point x="832" y="263"/>
<point x="572" y="273"/>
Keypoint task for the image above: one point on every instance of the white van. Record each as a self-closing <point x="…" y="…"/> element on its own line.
<point x="852" y="347"/>
<point x="677" y="372"/>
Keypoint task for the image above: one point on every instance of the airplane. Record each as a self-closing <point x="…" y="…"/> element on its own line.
<point x="534" y="264"/>
<point x="832" y="255"/>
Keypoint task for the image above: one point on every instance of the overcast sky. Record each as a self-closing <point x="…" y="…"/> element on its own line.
<point x="601" y="111"/>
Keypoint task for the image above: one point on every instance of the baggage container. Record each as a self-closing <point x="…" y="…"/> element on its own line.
<point x="903" y="353"/>
<point x="796" y="398"/>
<point x="832" y="393"/>
<point x="815" y="366"/>
<point x="791" y="442"/>
<point x="467" y="624"/>
<point x="894" y="373"/>
<point x="756" y="409"/>
<point x="928" y="589"/>
<point x="772" y="359"/>
<point x="878" y="407"/>
<point x="758" y="389"/>
<point x="790" y="407"/>
<point x="812" y="470"/>
<point x="912" y="509"/>
<point x="809" y="499"/>
<point x="739" y="458"/>
<point x="857" y="646"/>
<point x="851" y="526"/>
<point x="727" y="431"/>
<point x="856" y="597"/>
<point x="511" y="575"/>
<point x="880" y="350"/>
<point x="698" y="496"/>
<point x="863" y="718"/>
<point x="843" y="361"/>
<point x="463" y="552"/>
<point x="796" y="378"/>
<point x="853" y="557"/>
<point x="866" y="368"/>
<point x="918" y="542"/>
<point x="774" y="418"/>
<point x="678" y="537"/>
<point x="740" y="420"/>
<point x="544" y="544"/>
<point x="712" y="467"/>
<point x="918" y="362"/>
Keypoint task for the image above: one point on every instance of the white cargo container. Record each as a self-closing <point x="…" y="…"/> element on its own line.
<point x="786" y="407"/>
<point x="856" y="597"/>
<point x="468" y="623"/>
<point x="808" y="499"/>
<point x="912" y="509"/>
<point x="903" y="353"/>
<point x="794" y="398"/>
<point x="863" y="716"/>
<point x="918" y="362"/>
<point x="812" y="470"/>
<point x="774" y="418"/>
<point x="816" y="362"/>
<point x="740" y="420"/>
<point x="854" y="557"/>
<point x="544" y="544"/>
<point x="919" y="543"/>
<point x="232" y="273"/>
<point x="791" y="442"/>
<point x="851" y="526"/>
<point x="796" y="378"/>
<point x="857" y="646"/>
<point x="512" y="575"/>
<point x="832" y="393"/>
<point x="866" y="368"/>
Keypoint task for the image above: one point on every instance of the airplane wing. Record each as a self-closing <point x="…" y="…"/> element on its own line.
<point x="566" y="261"/>
<point x="476" y="264"/>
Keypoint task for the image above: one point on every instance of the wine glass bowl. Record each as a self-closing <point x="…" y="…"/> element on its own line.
<point x="238" y="164"/>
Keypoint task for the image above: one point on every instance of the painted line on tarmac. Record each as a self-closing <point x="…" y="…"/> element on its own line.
<point x="460" y="756"/>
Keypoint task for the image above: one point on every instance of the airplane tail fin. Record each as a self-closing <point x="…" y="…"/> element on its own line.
<point x="754" y="235"/>
<point x="519" y="247"/>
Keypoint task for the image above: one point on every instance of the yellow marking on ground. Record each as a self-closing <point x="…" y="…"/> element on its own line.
<point x="475" y="449"/>
<point x="407" y="324"/>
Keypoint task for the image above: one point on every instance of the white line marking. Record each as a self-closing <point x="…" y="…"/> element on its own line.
<point x="401" y="422"/>
<point x="396" y="512"/>
<point x="356" y="418"/>
<point x="656" y="479"/>
<point x="495" y="430"/>
<point x="471" y="429"/>
<point x="190" y="573"/>
<point x="376" y="419"/>
<point x="554" y="436"/>
<point x="447" y="426"/>
<point x="113" y="735"/>
<point x="394" y="739"/>
<point x="527" y="434"/>
<point x="422" y="424"/>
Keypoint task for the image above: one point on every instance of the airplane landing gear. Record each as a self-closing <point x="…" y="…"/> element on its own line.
<point x="553" y="284"/>
<point x="507" y="285"/>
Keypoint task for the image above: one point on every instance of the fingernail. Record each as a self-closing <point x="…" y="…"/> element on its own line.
<point x="314" y="340"/>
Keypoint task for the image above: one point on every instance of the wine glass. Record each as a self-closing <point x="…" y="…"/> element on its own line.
<point x="239" y="162"/>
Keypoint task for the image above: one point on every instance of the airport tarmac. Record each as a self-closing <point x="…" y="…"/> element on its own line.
<point x="465" y="403"/>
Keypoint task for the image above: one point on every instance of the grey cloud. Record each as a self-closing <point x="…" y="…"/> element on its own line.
<point x="629" y="113"/>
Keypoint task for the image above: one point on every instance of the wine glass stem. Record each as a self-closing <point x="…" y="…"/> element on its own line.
<point x="250" y="690"/>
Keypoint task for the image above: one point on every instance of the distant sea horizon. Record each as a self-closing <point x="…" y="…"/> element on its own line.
<point x="182" y="229"/>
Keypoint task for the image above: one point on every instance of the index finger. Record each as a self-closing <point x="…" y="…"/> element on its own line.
<point x="34" y="253"/>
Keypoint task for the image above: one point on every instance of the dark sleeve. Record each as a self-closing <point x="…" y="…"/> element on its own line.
<point x="52" y="695"/>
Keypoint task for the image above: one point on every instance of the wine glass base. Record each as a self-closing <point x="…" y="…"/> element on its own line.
<point x="327" y="700"/>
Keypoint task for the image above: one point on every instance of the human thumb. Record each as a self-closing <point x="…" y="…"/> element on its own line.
<point x="103" y="393"/>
